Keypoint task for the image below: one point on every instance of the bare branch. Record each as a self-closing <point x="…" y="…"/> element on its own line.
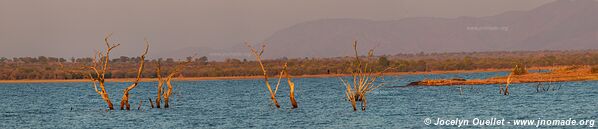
<point x="125" y="99"/>
<point x="258" y="57"/>
<point x="177" y="70"/>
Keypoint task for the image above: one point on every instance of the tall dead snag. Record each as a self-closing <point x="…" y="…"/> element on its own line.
<point x="258" y="57"/>
<point x="178" y="69"/>
<point x="99" y="67"/>
<point x="505" y="90"/>
<point x="125" y="99"/>
<point x="160" y="84"/>
<point x="291" y="86"/>
<point x="363" y="80"/>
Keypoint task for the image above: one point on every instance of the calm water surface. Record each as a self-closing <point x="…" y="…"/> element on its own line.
<point x="245" y="104"/>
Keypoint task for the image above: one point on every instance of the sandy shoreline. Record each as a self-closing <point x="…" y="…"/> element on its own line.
<point x="255" y="77"/>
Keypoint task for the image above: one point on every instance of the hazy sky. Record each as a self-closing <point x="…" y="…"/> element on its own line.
<point x="75" y="28"/>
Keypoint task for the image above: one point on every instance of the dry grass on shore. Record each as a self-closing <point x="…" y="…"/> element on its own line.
<point x="557" y="74"/>
<point x="257" y="77"/>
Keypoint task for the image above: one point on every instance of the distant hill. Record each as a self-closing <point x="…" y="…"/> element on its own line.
<point x="563" y="24"/>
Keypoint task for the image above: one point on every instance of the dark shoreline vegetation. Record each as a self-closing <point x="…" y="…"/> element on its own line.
<point x="36" y="68"/>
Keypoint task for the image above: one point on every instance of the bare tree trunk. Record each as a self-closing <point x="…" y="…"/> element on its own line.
<point x="105" y="97"/>
<point x="100" y="66"/>
<point x="159" y="98"/>
<point x="166" y="102"/>
<point x="274" y="100"/>
<point x="125" y="99"/>
<point x="258" y="57"/>
<point x="354" y="104"/>
<point x="151" y="103"/>
<point x="293" y="101"/>
<point x="291" y="86"/>
<point x="168" y="92"/>
<point x="160" y="84"/>
<point x="509" y="79"/>
<point x="272" y="93"/>
<point x="364" y="103"/>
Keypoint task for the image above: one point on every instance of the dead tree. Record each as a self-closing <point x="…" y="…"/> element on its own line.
<point x="505" y="90"/>
<point x="284" y="72"/>
<point x="363" y="81"/>
<point x="160" y="84"/>
<point x="258" y="57"/>
<point x="178" y="69"/>
<point x="291" y="86"/>
<point x="125" y="98"/>
<point x="99" y="67"/>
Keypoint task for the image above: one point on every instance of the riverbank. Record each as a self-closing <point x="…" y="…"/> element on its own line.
<point x="557" y="74"/>
<point x="259" y="77"/>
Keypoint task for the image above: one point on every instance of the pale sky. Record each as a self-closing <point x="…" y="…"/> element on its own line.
<point x="75" y="28"/>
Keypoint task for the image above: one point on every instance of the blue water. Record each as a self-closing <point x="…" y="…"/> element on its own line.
<point x="245" y="104"/>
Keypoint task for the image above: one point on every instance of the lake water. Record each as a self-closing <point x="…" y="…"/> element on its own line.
<point x="245" y="104"/>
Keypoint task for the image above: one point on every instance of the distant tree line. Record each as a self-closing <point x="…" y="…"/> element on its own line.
<point x="124" y="67"/>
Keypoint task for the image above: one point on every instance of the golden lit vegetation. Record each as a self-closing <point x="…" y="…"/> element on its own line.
<point x="363" y="80"/>
<point x="562" y="74"/>
<point x="46" y="68"/>
<point x="283" y="72"/>
<point x="519" y="70"/>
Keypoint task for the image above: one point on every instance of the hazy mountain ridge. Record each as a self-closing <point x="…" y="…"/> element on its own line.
<point x="563" y="24"/>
